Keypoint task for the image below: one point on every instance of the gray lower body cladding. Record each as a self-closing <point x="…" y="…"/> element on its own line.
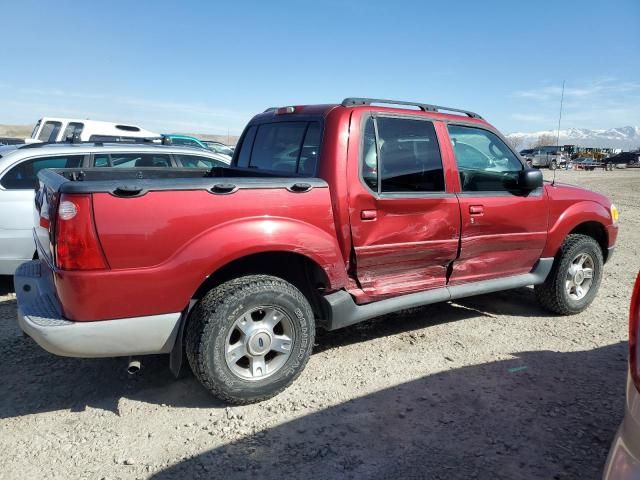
<point x="40" y="317"/>
<point x="343" y="311"/>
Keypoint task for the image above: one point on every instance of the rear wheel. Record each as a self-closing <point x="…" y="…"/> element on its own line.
<point x="553" y="165"/>
<point x="249" y="338"/>
<point x="575" y="276"/>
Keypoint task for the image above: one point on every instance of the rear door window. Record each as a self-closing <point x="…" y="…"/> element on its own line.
<point x="49" y="132"/>
<point x="287" y="147"/>
<point x="23" y="176"/>
<point x="197" y="161"/>
<point x="137" y="160"/>
<point x="401" y="155"/>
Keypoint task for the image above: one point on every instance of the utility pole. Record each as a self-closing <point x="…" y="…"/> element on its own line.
<point x="560" y="116"/>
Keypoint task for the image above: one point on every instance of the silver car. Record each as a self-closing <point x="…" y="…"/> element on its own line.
<point x="20" y="164"/>
<point x="623" y="462"/>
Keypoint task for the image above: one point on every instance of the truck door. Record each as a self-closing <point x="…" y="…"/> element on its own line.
<point x="405" y="219"/>
<point x="504" y="229"/>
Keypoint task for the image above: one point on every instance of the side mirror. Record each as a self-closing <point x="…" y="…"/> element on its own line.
<point x="530" y="179"/>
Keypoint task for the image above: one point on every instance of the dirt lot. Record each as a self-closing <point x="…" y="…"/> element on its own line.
<point x="490" y="387"/>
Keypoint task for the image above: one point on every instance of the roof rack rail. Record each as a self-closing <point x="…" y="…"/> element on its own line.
<point x="97" y="143"/>
<point x="425" y="107"/>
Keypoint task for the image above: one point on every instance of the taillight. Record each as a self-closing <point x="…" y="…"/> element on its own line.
<point x="77" y="246"/>
<point x="634" y="324"/>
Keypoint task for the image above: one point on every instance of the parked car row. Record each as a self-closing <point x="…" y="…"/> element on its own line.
<point x="551" y="158"/>
<point x="20" y="164"/>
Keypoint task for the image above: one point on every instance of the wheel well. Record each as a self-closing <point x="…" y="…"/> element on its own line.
<point x="300" y="271"/>
<point x="596" y="231"/>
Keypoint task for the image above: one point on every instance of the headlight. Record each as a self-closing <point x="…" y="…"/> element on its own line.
<point x="614" y="213"/>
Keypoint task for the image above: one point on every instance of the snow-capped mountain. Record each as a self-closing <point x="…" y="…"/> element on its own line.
<point x="627" y="138"/>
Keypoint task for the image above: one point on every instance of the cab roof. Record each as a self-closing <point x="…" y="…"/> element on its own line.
<point x="377" y="104"/>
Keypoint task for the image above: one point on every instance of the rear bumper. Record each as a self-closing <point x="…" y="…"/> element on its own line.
<point x="40" y="317"/>
<point x="623" y="462"/>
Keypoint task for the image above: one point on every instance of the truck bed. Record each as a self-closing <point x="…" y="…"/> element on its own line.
<point x="111" y="180"/>
<point x="164" y="231"/>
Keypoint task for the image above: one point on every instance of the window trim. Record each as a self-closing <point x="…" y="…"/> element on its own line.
<point x="396" y="195"/>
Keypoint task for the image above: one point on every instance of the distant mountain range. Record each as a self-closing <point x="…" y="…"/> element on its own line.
<point x="627" y="138"/>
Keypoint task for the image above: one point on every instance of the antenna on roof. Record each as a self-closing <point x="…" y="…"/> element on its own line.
<point x="553" y="182"/>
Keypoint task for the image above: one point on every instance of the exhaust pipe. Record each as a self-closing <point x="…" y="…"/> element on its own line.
<point x="134" y="366"/>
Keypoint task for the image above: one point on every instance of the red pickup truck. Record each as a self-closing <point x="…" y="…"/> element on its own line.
<point x="329" y="215"/>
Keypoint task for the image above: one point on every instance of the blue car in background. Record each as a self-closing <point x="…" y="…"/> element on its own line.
<point x="187" y="141"/>
<point x="183" y="140"/>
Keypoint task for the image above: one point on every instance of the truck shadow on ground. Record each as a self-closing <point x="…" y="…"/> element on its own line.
<point x="75" y="383"/>
<point x="519" y="302"/>
<point x="43" y="382"/>
<point x="541" y="415"/>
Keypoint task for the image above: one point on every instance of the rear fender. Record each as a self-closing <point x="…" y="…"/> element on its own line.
<point x="237" y="239"/>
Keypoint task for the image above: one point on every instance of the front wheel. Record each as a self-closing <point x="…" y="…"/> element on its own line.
<point x="575" y="277"/>
<point x="248" y="339"/>
<point x="553" y="165"/>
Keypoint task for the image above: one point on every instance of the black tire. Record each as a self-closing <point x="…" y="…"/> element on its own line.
<point x="553" y="165"/>
<point x="213" y="318"/>
<point x="552" y="294"/>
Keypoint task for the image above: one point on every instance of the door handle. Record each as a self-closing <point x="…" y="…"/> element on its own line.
<point x="476" y="209"/>
<point x="368" y="214"/>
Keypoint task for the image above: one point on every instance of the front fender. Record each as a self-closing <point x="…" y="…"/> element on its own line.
<point x="576" y="214"/>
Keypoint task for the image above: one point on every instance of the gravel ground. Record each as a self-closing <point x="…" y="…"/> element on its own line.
<point x="489" y="387"/>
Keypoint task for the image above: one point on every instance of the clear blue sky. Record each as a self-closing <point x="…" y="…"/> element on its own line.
<point x="209" y="66"/>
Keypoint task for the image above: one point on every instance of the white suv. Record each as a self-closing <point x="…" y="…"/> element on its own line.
<point x="51" y="129"/>
<point x="19" y="166"/>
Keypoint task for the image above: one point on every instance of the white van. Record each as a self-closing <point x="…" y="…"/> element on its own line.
<point x="49" y="129"/>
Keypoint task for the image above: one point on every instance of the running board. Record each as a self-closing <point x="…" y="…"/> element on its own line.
<point x="343" y="311"/>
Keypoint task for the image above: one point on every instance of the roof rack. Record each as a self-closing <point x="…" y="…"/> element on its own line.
<point x="97" y="143"/>
<point x="425" y="107"/>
